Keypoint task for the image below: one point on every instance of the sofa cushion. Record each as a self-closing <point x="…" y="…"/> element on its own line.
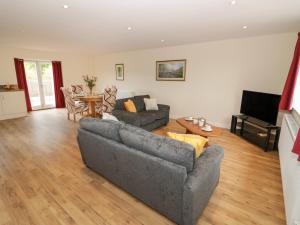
<point x="120" y="103"/>
<point x="127" y="117"/>
<point x="139" y="102"/>
<point x="151" y="104"/>
<point x="141" y="118"/>
<point x="147" y="117"/>
<point x="129" y="106"/>
<point x="154" y="113"/>
<point x="195" y="140"/>
<point x="107" y="116"/>
<point x="162" y="147"/>
<point x="106" y="128"/>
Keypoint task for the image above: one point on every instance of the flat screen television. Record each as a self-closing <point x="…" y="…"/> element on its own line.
<point x="262" y="106"/>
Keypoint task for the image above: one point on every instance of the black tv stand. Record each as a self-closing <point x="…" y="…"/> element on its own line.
<point x="256" y="131"/>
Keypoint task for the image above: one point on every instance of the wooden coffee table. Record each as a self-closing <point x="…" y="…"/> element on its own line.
<point x="195" y="129"/>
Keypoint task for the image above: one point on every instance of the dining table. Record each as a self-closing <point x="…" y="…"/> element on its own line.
<point x="91" y="101"/>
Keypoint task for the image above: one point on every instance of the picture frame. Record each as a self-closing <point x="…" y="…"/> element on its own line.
<point x="171" y="70"/>
<point x="119" y="71"/>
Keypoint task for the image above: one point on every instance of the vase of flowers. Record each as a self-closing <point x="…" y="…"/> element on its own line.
<point x="90" y="81"/>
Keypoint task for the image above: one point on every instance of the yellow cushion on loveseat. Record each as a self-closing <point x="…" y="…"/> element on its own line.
<point x="196" y="141"/>
<point x="129" y="106"/>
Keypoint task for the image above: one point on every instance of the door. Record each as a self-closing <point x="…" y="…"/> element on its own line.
<point x="39" y="76"/>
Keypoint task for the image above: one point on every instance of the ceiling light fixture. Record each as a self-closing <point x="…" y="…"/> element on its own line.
<point x="233" y="2"/>
<point x="162" y="40"/>
<point x="129" y="28"/>
<point x="65" y="6"/>
<point x="245" y="27"/>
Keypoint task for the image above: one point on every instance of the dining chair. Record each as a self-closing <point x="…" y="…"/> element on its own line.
<point x="109" y="101"/>
<point x="77" y="89"/>
<point x="73" y="106"/>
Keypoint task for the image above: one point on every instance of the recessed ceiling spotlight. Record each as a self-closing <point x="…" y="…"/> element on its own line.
<point x="65" y="6"/>
<point x="233" y="2"/>
<point x="129" y="28"/>
<point x="245" y="27"/>
<point x="162" y="40"/>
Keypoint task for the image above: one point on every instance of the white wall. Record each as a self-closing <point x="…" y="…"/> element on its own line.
<point x="74" y="66"/>
<point x="217" y="72"/>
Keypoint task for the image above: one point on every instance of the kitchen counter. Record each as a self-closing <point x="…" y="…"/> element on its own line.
<point x="12" y="103"/>
<point x="10" y="90"/>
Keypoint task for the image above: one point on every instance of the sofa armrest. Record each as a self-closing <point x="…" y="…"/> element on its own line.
<point x="127" y="117"/>
<point x="163" y="107"/>
<point x="201" y="183"/>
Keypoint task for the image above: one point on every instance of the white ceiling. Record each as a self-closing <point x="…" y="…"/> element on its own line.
<point x="99" y="26"/>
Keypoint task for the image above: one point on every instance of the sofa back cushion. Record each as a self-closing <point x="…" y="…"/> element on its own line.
<point x="139" y="102"/>
<point x="162" y="147"/>
<point x="106" y="128"/>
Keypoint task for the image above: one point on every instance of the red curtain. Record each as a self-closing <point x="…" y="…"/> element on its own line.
<point x="22" y="83"/>
<point x="296" y="148"/>
<point x="288" y="91"/>
<point x="58" y="83"/>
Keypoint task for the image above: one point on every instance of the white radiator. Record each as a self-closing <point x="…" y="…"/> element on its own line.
<point x="290" y="170"/>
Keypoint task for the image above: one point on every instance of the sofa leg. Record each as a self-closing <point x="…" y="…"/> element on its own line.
<point x="74" y="117"/>
<point x="68" y="116"/>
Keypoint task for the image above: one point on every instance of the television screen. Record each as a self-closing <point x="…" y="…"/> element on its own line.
<point x="259" y="105"/>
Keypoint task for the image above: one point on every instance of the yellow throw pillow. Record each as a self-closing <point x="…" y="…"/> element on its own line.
<point x="129" y="106"/>
<point x="196" y="141"/>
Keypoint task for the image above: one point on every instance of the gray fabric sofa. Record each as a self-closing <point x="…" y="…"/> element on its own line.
<point x="161" y="172"/>
<point x="148" y="120"/>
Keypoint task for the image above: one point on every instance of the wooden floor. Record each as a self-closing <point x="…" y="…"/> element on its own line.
<point x="43" y="181"/>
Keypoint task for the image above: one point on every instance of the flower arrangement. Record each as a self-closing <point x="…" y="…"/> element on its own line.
<point x="90" y="81"/>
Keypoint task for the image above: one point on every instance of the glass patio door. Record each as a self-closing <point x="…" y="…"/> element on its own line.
<point x="39" y="76"/>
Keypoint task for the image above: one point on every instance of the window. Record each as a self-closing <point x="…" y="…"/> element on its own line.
<point x="296" y="99"/>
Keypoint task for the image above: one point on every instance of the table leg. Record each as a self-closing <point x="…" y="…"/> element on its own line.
<point x="242" y="128"/>
<point x="90" y="109"/>
<point x="187" y="131"/>
<point x="268" y="139"/>
<point x="233" y="124"/>
<point x="93" y="110"/>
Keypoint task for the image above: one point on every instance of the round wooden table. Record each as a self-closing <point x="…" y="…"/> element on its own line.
<point x="91" y="101"/>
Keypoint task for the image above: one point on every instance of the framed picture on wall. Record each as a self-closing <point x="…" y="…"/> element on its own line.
<point x="119" y="71"/>
<point x="171" y="70"/>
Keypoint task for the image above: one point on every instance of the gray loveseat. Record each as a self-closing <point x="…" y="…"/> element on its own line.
<point x="161" y="172"/>
<point x="148" y="120"/>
